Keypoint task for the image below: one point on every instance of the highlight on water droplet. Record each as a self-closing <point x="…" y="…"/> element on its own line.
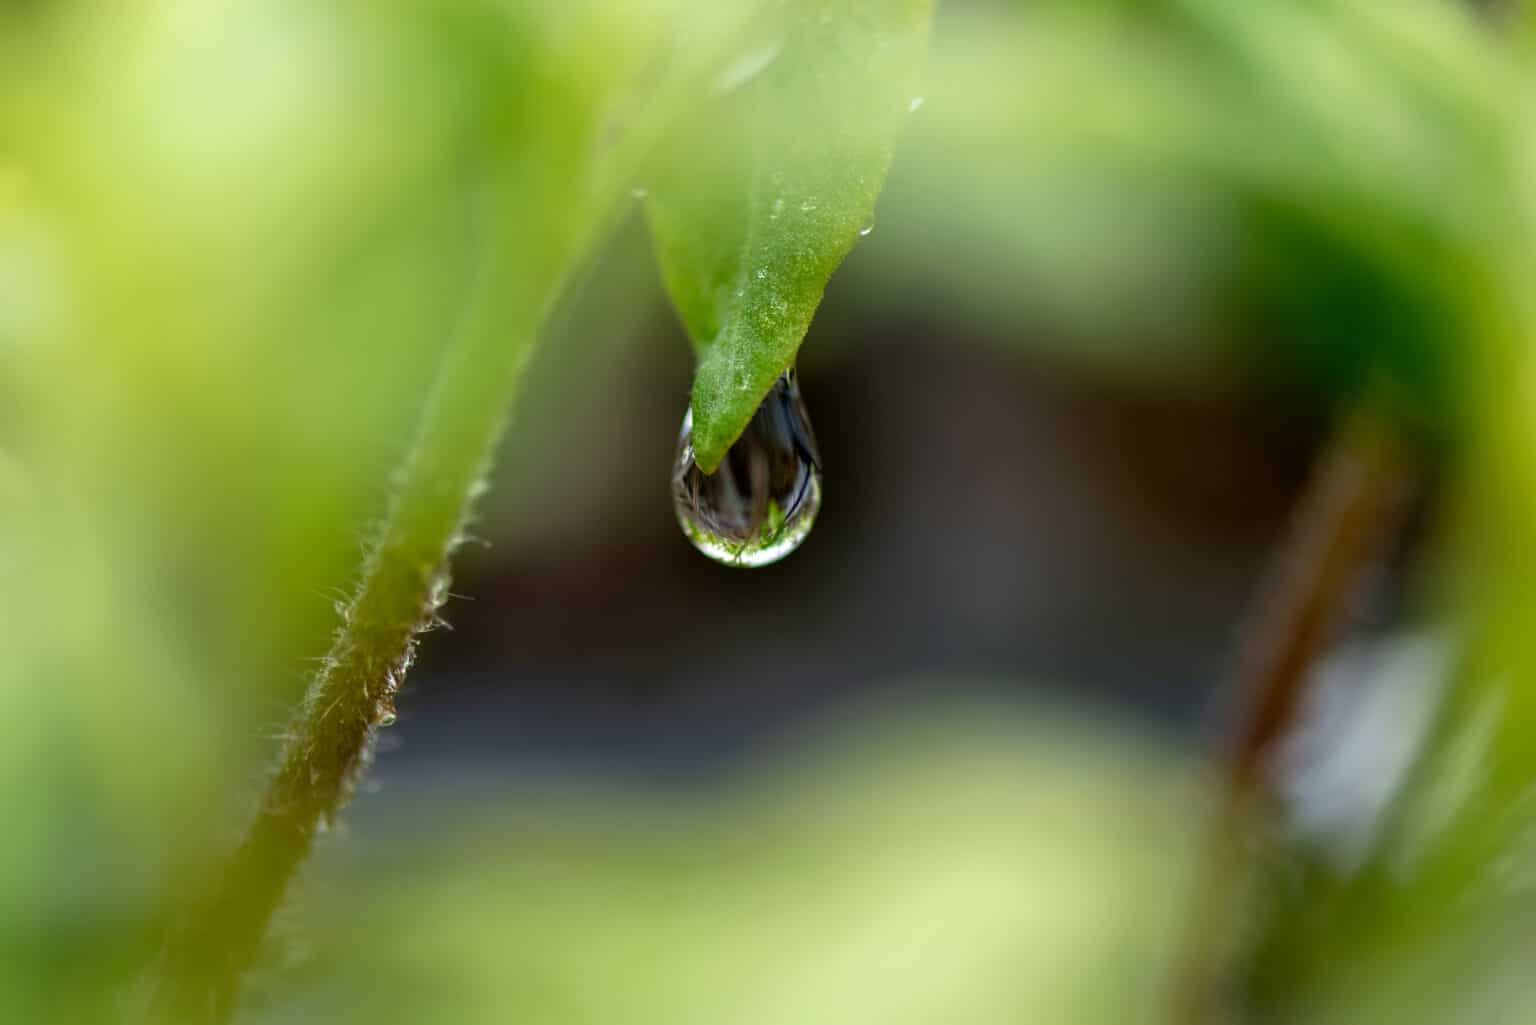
<point x="388" y="718"/>
<point x="761" y="501"/>
<point x="913" y="104"/>
<point x="865" y="231"/>
<point x="639" y="192"/>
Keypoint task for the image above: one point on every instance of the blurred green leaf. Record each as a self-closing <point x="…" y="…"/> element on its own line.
<point x="909" y="861"/>
<point x="1319" y="191"/>
<point x="765" y="191"/>
<point x="238" y="241"/>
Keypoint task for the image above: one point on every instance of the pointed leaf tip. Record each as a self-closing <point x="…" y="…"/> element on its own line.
<point x="763" y="193"/>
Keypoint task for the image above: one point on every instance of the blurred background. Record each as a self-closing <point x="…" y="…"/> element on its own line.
<point x="954" y="760"/>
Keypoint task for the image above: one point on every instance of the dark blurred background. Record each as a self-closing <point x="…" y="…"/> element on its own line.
<point x="989" y="517"/>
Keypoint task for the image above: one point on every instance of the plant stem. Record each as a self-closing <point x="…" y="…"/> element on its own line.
<point x="404" y="580"/>
<point x="1343" y="523"/>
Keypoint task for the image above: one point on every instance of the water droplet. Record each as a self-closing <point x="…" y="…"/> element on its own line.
<point x="865" y="231"/>
<point x="639" y="192"/>
<point x="388" y="718"/>
<point x="916" y="102"/>
<point x="760" y="503"/>
<point x="807" y="205"/>
<point x="778" y="208"/>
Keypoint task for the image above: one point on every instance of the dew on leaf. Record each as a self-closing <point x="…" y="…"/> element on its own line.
<point x="914" y="104"/>
<point x="761" y="501"/>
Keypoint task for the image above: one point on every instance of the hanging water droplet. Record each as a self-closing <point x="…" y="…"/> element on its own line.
<point x="760" y="503"/>
<point x="913" y="104"/>
<point x="865" y="231"/>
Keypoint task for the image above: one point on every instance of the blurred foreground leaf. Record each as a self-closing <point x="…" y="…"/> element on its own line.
<point x="249" y="254"/>
<point x="977" y="862"/>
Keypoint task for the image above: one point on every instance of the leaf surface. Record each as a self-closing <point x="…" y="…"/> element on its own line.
<point x="765" y="191"/>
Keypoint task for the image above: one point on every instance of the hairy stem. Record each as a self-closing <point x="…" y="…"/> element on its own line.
<point x="1343" y="523"/>
<point x="403" y="582"/>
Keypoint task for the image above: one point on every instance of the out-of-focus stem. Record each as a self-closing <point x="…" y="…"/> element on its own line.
<point x="1345" y="519"/>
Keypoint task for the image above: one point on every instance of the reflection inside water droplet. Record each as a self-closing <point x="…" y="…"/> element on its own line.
<point x="760" y="503"/>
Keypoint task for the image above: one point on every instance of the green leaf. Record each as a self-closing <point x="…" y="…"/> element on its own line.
<point x="768" y="187"/>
